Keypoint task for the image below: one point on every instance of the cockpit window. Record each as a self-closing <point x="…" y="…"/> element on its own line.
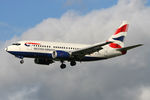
<point x="17" y="44"/>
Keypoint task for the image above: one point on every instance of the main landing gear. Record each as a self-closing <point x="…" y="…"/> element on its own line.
<point x="63" y="66"/>
<point x="72" y="63"/>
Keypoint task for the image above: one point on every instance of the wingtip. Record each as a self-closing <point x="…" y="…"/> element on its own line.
<point x="140" y="44"/>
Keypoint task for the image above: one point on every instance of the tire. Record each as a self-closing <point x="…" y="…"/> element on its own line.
<point x="72" y="63"/>
<point x="21" y="61"/>
<point x="62" y="66"/>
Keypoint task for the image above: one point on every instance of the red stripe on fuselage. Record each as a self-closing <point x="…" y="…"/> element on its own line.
<point x="32" y="43"/>
<point x="114" y="45"/>
<point x="122" y="29"/>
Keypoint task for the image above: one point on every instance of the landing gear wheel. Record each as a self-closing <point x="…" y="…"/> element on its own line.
<point x="21" y="61"/>
<point x="62" y="66"/>
<point x="72" y="63"/>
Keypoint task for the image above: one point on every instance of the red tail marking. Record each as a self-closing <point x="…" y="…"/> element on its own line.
<point x="122" y="29"/>
<point x="114" y="45"/>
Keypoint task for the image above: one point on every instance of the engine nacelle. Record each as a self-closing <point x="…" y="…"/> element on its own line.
<point x="59" y="54"/>
<point x="43" y="61"/>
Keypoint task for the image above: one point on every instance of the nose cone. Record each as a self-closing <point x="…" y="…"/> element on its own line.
<point x="6" y="49"/>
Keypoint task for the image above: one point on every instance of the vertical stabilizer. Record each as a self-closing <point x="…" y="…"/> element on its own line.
<point x="118" y="37"/>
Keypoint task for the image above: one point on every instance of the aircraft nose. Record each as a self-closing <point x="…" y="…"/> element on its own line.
<point x="6" y="49"/>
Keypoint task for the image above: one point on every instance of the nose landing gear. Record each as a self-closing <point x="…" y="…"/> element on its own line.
<point x="21" y="61"/>
<point x="20" y="57"/>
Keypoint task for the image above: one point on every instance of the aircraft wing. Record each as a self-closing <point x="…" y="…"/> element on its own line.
<point x="88" y="50"/>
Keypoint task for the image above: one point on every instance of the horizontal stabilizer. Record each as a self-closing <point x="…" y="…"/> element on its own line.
<point x="129" y="47"/>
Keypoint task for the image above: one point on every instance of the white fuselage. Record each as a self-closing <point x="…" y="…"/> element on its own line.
<point x="35" y="49"/>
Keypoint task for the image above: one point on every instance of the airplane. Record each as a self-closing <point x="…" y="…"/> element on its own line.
<point x="46" y="53"/>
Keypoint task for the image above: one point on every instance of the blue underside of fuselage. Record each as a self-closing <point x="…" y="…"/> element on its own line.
<point x="48" y="55"/>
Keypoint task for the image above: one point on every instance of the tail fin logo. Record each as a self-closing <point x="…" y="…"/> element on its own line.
<point x="114" y="45"/>
<point x="124" y="28"/>
<point x="121" y="38"/>
<point x="118" y="37"/>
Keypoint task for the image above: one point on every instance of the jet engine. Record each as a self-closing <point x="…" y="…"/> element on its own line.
<point x="58" y="54"/>
<point x="43" y="61"/>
